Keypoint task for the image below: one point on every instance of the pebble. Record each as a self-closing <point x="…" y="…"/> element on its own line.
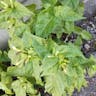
<point x="87" y="47"/>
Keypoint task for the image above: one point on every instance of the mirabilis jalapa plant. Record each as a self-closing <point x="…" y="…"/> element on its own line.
<point x="37" y="59"/>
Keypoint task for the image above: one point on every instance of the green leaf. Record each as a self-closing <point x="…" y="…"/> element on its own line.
<point x="5" y="82"/>
<point x="37" y="74"/>
<point x="85" y="35"/>
<point x="55" y="84"/>
<point x="35" y="58"/>
<point x="78" y="41"/>
<point x="52" y="2"/>
<point x="39" y="47"/>
<point x="67" y="14"/>
<point x="69" y="26"/>
<point x="4" y="87"/>
<point x="30" y="89"/>
<point x="20" y="28"/>
<point x="51" y="45"/>
<point x="26" y="70"/>
<point x="32" y="7"/>
<point x="17" y="56"/>
<point x="6" y="79"/>
<point x="48" y="62"/>
<point x="71" y="3"/>
<point x="74" y="73"/>
<point x="27" y="39"/>
<point x="4" y="56"/>
<point x="67" y="51"/>
<point x="23" y="86"/>
<point x="18" y="88"/>
<point x="45" y="24"/>
<point x="16" y="42"/>
<point x="92" y="70"/>
<point x="18" y="11"/>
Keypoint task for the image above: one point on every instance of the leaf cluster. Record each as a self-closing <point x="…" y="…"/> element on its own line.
<point x="38" y="59"/>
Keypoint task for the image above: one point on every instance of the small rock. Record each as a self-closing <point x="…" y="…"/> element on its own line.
<point x="90" y="8"/>
<point x="3" y="39"/>
<point x="87" y="47"/>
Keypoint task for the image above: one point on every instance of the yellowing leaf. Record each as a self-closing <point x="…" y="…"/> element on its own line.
<point x="5" y="88"/>
<point x="55" y="84"/>
<point x="18" y="88"/>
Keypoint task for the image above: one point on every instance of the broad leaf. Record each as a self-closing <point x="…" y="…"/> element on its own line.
<point x="39" y="47"/>
<point x="17" y="57"/>
<point x="71" y="3"/>
<point x="45" y="24"/>
<point x="5" y="88"/>
<point x="18" y="11"/>
<point x="86" y="35"/>
<point x="48" y="62"/>
<point x="26" y="70"/>
<point x="37" y="74"/>
<point x="83" y="33"/>
<point x="27" y="39"/>
<point x="18" y="88"/>
<point x="67" y="51"/>
<point x="67" y="14"/>
<point x="55" y="84"/>
<point x="21" y="87"/>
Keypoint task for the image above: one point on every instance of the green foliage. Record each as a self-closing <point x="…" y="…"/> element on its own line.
<point x="72" y="3"/>
<point x="36" y="58"/>
<point x="4" y="56"/>
<point x="22" y="86"/>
